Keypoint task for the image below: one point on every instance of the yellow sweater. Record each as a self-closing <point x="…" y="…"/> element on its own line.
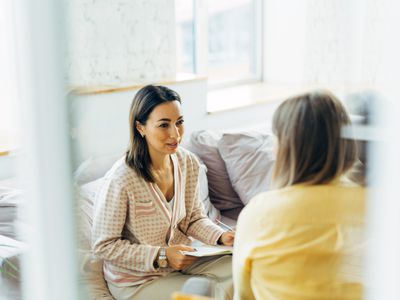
<point x="301" y="242"/>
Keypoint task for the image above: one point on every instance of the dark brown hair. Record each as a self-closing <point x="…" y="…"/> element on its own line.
<point x="144" y="102"/>
<point x="311" y="149"/>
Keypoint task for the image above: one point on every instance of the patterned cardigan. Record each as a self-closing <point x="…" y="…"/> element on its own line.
<point x="131" y="220"/>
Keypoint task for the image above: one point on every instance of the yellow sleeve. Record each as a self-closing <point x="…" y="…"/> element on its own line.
<point x="242" y="261"/>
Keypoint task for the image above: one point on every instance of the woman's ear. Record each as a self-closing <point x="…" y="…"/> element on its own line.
<point x="140" y="128"/>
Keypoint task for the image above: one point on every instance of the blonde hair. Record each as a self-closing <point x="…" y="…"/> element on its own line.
<point x="311" y="150"/>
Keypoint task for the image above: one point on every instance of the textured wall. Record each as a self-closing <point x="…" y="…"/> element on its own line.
<point x="342" y="41"/>
<point x="323" y="41"/>
<point x="120" y="41"/>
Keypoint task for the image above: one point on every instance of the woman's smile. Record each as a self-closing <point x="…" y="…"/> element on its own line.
<point x="173" y="145"/>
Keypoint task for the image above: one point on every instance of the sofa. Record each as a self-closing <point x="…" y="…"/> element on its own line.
<point x="235" y="166"/>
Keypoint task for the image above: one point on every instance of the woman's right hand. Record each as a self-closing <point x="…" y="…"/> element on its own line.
<point x="177" y="260"/>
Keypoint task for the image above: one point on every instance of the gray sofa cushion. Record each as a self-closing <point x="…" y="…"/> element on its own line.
<point x="249" y="158"/>
<point x="204" y="144"/>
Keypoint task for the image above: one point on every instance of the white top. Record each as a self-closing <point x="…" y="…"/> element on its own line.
<point x="171" y="204"/>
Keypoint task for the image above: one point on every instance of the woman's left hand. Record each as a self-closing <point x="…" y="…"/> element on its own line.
<point x="227" y="238"/>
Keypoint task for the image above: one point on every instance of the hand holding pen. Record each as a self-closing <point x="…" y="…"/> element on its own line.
<point x="228" y="237"/>
<point x="223" y="225"/>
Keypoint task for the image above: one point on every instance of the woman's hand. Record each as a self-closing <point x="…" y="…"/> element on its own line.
<point x="227" y="238"/>
<point x="177" y="260"/>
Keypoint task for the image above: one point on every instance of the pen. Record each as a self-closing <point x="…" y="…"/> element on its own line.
<point x="224" y="225"/>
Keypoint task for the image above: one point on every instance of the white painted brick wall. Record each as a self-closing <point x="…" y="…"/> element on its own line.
<point x="330" y="42"/>
<point x="342" y="41"/>
<point x="112" y="42"/>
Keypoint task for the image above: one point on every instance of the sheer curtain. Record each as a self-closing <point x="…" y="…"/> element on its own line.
<point x="9" y="122"/>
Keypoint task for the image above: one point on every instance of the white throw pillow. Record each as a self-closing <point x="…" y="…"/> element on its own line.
<point x="94" y="168"/>
<point x="91" y="267"/>
<point x="209" y="208"/>
<point x="249" y="158"/>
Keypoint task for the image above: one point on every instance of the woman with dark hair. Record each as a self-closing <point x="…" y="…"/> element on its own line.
<point x="304" y="239"/>
<point x="148" y="207"/>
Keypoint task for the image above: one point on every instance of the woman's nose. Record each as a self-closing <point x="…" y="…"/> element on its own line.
<point x="174" y="132"/>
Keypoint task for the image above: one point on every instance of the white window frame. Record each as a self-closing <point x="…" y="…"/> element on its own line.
<point x="200" y="24"/>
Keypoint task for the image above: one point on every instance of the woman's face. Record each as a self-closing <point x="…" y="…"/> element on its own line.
<point x="164" y="128"/>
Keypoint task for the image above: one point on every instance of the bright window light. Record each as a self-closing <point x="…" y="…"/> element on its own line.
<point x="219" y="39"/>
<point x="231" y="40"/>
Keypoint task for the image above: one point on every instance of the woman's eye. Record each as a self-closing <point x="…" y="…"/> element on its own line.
<point x="180" y="122"/>
<point x="164" y="125"/>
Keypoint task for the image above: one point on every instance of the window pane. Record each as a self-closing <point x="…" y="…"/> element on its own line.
<point x="184" y="36"/>
<point x="231" y="40"/>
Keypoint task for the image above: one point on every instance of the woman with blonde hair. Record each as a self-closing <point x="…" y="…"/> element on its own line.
<point x="304" y="240"/>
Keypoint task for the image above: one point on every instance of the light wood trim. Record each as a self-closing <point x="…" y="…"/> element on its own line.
<point x="9" y="141"/>
<point x="4" y="153"/>
<point x="131" y="86"/>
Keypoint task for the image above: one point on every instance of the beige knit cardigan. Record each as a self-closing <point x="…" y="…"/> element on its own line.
<point x="132" y="220"/>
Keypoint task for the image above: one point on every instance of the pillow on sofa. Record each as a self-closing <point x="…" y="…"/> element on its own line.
<point x="209" y="208"/>
<point x="94" y="168"/>
<point x="91" y="267"/>
<point x="204" y="144"/>
<point x="10" y="198"/>
<point x="249" y="158"/>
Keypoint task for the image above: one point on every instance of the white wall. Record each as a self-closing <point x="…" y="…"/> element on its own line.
<point x="284" y="46"/>
<point x="119" y="41"/>
<point x="340" y="43"/>
<point x="322" y="41"/>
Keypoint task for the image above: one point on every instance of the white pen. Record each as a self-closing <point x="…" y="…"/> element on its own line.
<point x="224" y="225"/>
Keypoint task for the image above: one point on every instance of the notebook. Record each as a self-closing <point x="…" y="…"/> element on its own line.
<point x="209" y="251"/>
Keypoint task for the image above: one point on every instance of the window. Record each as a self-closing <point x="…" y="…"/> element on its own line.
<point x="232" y="42"/>
<point x="221" y="39"/>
